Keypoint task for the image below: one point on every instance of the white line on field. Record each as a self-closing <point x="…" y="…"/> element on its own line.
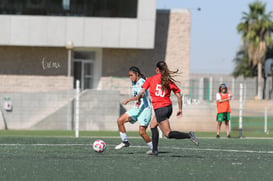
<point x="177" y="148"/>
<point x="213" y="149"/>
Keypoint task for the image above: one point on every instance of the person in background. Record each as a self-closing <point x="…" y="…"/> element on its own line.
<point x="141" y="113"/>
<point x="223" y="97"/>
<point x="160" y="87"/>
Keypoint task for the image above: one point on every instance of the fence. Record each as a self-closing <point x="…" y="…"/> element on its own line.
<point x="199" y="100"/>
<point x="204" y="89"/>
<point x="99" y="109"/>
<point x="55" y="110"/>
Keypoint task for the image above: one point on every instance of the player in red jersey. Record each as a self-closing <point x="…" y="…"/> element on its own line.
<point x="160" y="87"/>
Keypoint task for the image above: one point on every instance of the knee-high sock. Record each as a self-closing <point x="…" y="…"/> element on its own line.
<point x="155" y="137"/>
<point x="178" y="135"/>
<point x="123" y="136"/>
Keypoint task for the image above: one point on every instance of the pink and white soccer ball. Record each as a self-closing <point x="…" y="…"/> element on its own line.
<point x="99" y="146"/>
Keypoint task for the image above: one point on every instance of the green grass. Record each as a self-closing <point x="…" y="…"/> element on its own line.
<point x="252" y="126"/>
<point x="63" y="133"/>
<point x="66" y="158"/>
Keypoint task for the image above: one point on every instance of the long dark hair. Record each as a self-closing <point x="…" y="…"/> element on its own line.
<point x="166" y="75"/>
<point x="136" y="70"/>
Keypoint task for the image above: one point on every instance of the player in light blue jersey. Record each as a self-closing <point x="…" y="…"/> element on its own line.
<point x="142" y="113"/>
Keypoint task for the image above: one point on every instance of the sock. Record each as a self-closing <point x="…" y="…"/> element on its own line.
<point x="155" y="136"/>
<point x="178" y="135"/>
<point x="123" y="137"/>
<point x="150" y="145"/>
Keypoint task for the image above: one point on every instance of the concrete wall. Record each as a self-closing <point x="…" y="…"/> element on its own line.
<point x="178" y="45"/>
<point x="30" y="108"/>
<point x="172" y="43"/>
<point x="33" y="69"/>
<point x="17" y="60"/>
<point x="28" y="84"/>
<point x="99" y="110"/>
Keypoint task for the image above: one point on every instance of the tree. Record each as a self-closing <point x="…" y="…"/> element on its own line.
<point x="242" y="65"/>
<point x="256" y="28"/>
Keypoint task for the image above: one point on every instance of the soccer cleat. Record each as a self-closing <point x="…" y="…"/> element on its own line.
<point x="193" y="138"/>
<point x="122" y="145"/>
<point x="218" y="136"/>
<point x="150" y="152"/>
<point x="228" y="136"/>
<point x="155" y="152"/>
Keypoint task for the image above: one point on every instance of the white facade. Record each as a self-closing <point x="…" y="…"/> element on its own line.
<point x="55" y="31"/>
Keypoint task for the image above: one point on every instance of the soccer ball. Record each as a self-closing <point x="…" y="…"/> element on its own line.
<point x="99" y="146"/>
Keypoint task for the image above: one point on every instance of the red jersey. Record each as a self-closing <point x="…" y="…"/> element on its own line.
<point x="159" y="98"/>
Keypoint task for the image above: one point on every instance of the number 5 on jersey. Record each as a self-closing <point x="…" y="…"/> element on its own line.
<point x="158" y="91"/>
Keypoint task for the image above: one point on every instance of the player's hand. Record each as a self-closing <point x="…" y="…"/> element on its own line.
<point x="125" y="102"/>
<point x="230" y="95"/>
<point x="179" y="113"/>
<point x="137" y="103"/>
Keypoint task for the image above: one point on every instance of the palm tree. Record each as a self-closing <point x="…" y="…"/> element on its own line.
<point x="256" y="28"/>
<point x="242" y="65"/>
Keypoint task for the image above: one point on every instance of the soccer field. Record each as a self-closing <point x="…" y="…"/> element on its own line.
<point x="65" y="158"/>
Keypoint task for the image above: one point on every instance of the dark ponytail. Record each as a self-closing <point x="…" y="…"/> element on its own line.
<point x="136" y="70"/>
<point x="166" y="75"/>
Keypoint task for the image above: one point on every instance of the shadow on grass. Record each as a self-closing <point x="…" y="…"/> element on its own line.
<point x="168" y="154"/>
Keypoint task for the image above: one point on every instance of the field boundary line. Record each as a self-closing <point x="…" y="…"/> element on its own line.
<point x="177" y="148"/>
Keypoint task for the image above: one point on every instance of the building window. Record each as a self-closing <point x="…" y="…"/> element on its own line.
<point x="87" y="8"/>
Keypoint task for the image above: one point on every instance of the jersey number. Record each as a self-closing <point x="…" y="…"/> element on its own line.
<point x="158" y="91"/>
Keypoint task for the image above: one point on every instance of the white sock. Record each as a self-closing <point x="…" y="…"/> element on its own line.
<point x="150" y="145"/>
<point x="123" y="136"/>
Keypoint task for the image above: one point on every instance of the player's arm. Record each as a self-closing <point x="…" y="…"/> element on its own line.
<point x="180" y="103"/>
<point x="229" y="93"/>
<point x="140" y="95"/>
<point x="129" y="100"/>
<point x="177" y="91"/>
<point x="223" y="100"/>
<point x="218" y="98"/>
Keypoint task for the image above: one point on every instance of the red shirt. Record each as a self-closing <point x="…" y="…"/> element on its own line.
<point x="159" y="98"/>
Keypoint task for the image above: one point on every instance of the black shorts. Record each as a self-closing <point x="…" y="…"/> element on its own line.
<point x="163" y="113"/>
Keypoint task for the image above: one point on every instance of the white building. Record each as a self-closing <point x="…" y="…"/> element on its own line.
<point x="34" y="36"/>
<point x="104" y="39"/>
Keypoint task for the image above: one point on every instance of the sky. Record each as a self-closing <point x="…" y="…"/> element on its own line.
<point x="214" y="37"/>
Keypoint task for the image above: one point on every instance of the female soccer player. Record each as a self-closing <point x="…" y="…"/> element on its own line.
<point x="160" y="87"/>
<point x="223" y="109"/>
<point x="142" y="113"/>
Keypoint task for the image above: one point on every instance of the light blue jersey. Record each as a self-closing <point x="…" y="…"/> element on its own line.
<point x="143" y="113"/>
<point x="145" y="101"/>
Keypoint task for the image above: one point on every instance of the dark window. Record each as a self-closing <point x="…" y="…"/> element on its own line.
<point x="88" y="8"/>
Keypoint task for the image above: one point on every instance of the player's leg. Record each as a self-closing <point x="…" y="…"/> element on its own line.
<point x="122" y="131"/>
<point x="155" y="135"/>
<point x="219" y="119"/>
<point x="227" y="128"/>
<point x="145" y="136"/>
<point x="227" y="124"/>
<point x="218" y="129"/>
<point x="163" y="114"/>
<point x="165" y="128"/>
<point x="121" y="121"/>
<point x="144" y="120"/>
